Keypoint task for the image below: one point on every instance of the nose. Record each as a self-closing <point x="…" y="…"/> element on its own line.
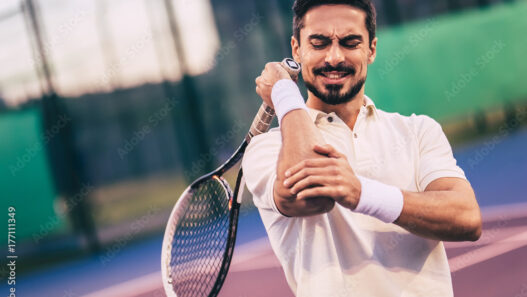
<point x="334" y="56"/>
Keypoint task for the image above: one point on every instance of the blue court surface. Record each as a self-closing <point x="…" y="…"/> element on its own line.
<point x="496" y="167"/>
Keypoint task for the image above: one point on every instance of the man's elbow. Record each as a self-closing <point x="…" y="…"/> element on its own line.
<point x="473" y="226"/>
<point x="305" y="208"/>
<point x="472" y="223"/>
<point x="288" y="205"/>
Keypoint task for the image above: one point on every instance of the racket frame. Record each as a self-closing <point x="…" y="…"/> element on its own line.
<point x="179" y="211"/>
<point x="261" y="124"/>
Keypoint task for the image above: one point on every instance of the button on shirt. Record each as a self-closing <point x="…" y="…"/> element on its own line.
<point x="342" y="253"/>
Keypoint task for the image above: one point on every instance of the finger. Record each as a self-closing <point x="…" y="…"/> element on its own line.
<point x="278" y="70"/>
<point x="260" y="81"/>
<point x="309" y="171"/>
<point x="269" y="66"/>
<point x="325" y="191"/>
<point x="309" y="163"/>
<point x="327" y="150"/>
<point x="312" y="181"/>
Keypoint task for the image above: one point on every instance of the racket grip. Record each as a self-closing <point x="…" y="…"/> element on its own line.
<point x="264" y="117"/>
<point x="261" y="122"/>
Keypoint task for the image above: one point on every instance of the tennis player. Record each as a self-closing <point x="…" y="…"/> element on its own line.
<point x="356" y="201"/>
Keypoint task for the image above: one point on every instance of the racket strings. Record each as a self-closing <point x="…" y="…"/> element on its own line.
<point x="200" y="239"/>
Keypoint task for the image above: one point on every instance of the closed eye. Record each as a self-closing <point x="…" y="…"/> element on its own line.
<point x="319" y="41"/>
<point x="319" y="45"/>
<point x="350" y="44"/>
<point x="351" y="41"/>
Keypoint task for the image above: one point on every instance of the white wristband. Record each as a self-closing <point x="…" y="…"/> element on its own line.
<point x="379" y="200"/>
<point x="286" y="97"/>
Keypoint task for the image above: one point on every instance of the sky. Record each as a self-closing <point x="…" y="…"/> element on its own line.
<point x="99" y="45"/>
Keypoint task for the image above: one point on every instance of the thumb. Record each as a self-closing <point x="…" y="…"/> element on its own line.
<point x="327" y="150"/>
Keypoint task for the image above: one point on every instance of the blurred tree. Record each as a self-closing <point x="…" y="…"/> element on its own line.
<point x="393" y="14"/>
<point x="107" y="45"/>
<point x="3" y="105"/>
<point x="191" y="100"/>
<point x="453" y="5"/>
<point x="483" y="3"/>
<point x="64" y="159"/>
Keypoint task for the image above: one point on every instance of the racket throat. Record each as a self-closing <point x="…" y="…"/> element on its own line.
<point x="238" y="190"/>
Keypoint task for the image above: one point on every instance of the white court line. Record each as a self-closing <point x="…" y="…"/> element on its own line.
<point x="137" y="286"/>
<point x="251" y="250"/>
<point x="504" y="212"/>
<point x="488" y="252"/>
<point x="268" y="260"/>
<point x="151" y="282"/>
<point x="489" y="236"/>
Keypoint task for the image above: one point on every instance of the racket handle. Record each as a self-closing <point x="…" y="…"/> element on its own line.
<point x="265" y="115"/>
<point x="261" y="122"/>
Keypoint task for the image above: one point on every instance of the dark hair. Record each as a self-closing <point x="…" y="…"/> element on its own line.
<point x="301" y="7"/>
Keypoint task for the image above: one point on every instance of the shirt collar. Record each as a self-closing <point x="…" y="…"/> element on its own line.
<point x="316" y="114"/>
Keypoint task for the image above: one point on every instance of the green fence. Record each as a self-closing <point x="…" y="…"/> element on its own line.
<point x="25" y="180"/>
<point x="453" y="65"/>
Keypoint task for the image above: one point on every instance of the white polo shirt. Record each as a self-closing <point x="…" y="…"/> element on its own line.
<point x="342" y="253"/>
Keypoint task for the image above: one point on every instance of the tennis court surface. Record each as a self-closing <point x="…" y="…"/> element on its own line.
<point x="494" y="266"/>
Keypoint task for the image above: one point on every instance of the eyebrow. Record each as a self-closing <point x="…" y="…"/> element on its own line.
<point x="319" y="37"/>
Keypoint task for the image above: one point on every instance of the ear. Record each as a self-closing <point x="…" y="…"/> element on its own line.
<point x="295" y="49"/>
<point x="373" y="51"/>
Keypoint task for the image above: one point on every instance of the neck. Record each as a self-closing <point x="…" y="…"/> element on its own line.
<point x="348" y="112"/>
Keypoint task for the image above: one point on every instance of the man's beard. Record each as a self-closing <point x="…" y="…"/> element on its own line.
<point x="333" y="95"/>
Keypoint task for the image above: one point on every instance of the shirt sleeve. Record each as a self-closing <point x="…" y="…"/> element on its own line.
<point x="435" y="153"/>
<point x="259" y="168"/>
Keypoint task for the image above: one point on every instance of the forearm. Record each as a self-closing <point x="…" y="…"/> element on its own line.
<point x="299" y="136"/>
<point x="449" y="215"/>
<point x="299" y="133"/>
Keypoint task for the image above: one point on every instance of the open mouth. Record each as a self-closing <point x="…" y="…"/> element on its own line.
<point x="335" y="74"/>
<point x="334" y="77"/>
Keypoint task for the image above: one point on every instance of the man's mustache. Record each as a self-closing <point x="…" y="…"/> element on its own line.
<point x="339" y="68"/>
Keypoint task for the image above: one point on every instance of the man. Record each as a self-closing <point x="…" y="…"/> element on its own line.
<point x="356" y="201"/>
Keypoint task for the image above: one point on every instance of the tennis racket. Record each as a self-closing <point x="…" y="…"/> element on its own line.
<point x="201" y="231"/>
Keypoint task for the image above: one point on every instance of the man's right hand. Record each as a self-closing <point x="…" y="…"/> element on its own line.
<point x="272" y="73"/>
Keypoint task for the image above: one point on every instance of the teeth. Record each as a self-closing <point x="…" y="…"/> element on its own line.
<point x="334" y="76"/>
